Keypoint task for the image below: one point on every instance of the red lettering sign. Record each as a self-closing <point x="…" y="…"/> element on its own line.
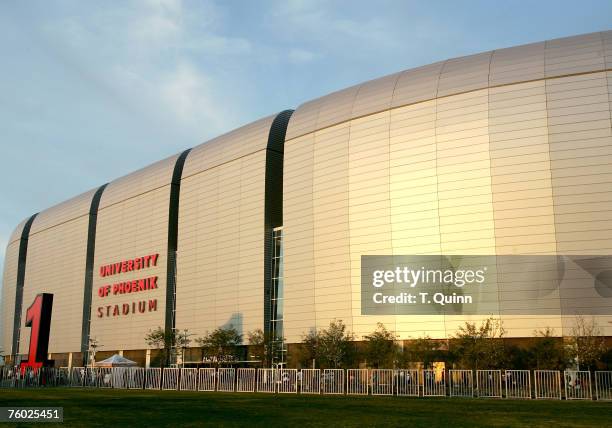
<point x="130" y="265"/>
<point x="38" y="318"/>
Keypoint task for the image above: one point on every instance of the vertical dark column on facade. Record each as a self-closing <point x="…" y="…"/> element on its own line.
<point x="173" y="216"/>
<point x="21" y="267"/>
<point x="273" y="211"/>
<point x="89" y="265"/>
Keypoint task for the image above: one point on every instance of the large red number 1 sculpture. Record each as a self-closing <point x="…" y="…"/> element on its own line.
<point x="38" y="318"/>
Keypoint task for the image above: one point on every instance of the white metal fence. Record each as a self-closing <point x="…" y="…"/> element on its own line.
<point x="603" y="385"/>
<point x="77" y="375"/>
<point x="170" y="378"/>
<point x="513" y="384"/>
<point x="547" y="384"/>
<point x="461" y="383"/>
<point x="357" y="381"/>
<point x="105" y="377"/>
<point x="518" y="384"/>
<point x="434" y="383"/>
<point x="119" y="376"/>
<point x="287" y="381"/>
<point x="206" y="379"/>
<point x="226" y="379"/>
<point x="153" y="378"/>
<point x="246" y="380"/>
<point x="332" y="381"/>
<point x="266" y="380"/>
<point x="488" y="383"/>
<point x="577" y="385"/>
<point x="310" y="381"/>
<point x="407" y="383"/>
<point x="381" y="381"/>
<point x="136" y="378"/>
<point x="189" y="379"/>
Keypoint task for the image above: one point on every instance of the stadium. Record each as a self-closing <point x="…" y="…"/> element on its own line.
<point x="506" y="152"/>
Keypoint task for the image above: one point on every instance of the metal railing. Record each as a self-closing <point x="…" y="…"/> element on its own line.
<point x="518" y="384"/>
<point x="488" y="383"/>
<point x="382" y="381"/>
<point x="547" y="384"/>
<point x="434" y="383"/>
<point x="407" y="383"/>
<point x="357" y="382"/>
<point x="461" y="383"/>
<point x="508" y="384"/>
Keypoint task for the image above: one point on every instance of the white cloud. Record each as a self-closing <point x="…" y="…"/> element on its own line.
<point x="158" y="59"/>
<point x="187" y="92"/>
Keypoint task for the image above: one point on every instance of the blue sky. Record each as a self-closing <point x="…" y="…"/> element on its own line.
<point x="90" y="91"/>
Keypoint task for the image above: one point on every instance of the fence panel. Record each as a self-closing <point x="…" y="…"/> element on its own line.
<point x="434" y="383"/>
<point x="104" y="377"/>
<point x="603" y="385"/>
<point x="46" y="376"/>
<point x="153" y="378"/>
<point x="266" y="380"/>
<point x="189" y="379"/>
<point x="407" y="383"/>
<point x="206" y="380"/>
<point x="43" y="376"/>
<point x="246" y="380"/>
<point x="7" y="377"/>
<point x="357" y="382"/>
<point x="461" y="383"/>
<point x="226" y="379"/>
<point x="19" y="379"/>
<point x="518" y="384"/>
<point x="332" y="381"/>
<point x="120" y="377"/>
<point x="63" y="376"/>
<point x="310" y="381"/>
<point x="382" y="381"/>
<point x="287" y="381"/>
<point x="90" y="379"/>
<point x="77" y="375"/>
<point x="577" y="385"/>
<point x="135" y="378"/>
<point x="170" y="378"/>
<point x="30" y="378"/>
<point x="488" y="383"/>
<point x="547" y="384"/>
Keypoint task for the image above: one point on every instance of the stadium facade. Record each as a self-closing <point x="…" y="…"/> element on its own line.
<point x="502" y="152"/>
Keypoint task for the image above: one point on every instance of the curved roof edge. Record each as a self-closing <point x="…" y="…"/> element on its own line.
<point x="586" y="53"/>
<point x="151" y="177"/>
<point x="232" y="145"/>
<point x="63" y="212"/>
<point x="16" y="234"/>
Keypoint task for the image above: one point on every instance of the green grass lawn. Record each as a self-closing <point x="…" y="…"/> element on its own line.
<point x="120" y="408"/>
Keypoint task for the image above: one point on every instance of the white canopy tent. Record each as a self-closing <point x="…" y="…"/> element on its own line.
<point x="116" y="361"/>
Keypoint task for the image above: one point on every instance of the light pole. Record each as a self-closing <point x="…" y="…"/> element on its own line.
<point x="93" y="346"/>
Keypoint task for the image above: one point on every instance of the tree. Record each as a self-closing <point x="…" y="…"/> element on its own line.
<point x="586" y="345"/>
<point x="546" y="351"/>
<point x="93" y="348"/>
<point x="220" y="346"/>
<point x="182" y="341"/>
<point x="310" y="348"/>
<point x="259" y="346"/>
<point x="380" y="349"/>
<point x="335" y="345"/>
<point x="423" y="349"/>
<point x="480" y="347"/>
<point x="166" y="341"/>
<point x="161" y="340"/>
